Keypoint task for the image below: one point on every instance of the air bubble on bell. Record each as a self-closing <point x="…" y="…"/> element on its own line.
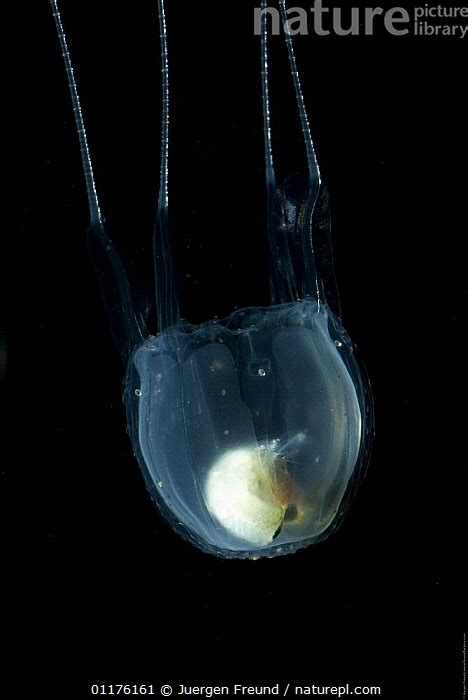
<point x="138" y="392"/>
<point x="259" y="367"/>
<point x="338" y="343"/>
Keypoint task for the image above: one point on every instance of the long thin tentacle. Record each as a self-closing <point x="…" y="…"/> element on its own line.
<point x="269" y="161"/>
<point x="314" y="171"/>
<point x="93" y="202"/>
<point x="292" y="204"/>
<point x="282" y="286"/>
<point x="166" y="295"/>
<point x="163" y="202"/>
<point x="310" y="263"/>
<point x="127" y="325"/>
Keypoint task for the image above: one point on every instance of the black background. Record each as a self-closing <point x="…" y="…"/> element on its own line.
<point x="112" y="594"/>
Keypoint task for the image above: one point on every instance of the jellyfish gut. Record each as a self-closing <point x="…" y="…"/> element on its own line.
<point x="252" y="431"/>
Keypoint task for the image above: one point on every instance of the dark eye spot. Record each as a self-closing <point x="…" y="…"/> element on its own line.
<point x="291" y="513"/>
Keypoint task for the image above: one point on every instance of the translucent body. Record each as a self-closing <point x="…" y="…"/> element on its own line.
<point x="281" y="382"/>
<point x="251" y="432"/>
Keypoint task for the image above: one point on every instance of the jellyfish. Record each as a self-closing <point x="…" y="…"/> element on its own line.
<point x="252" y="432"/>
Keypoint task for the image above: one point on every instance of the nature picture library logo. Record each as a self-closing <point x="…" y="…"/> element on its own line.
<point x="319" y="20"/>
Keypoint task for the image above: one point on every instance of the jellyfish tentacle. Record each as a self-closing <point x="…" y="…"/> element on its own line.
<point x="166" y="294"/>
<point x="318" y="279"/>
<point x="93" y="202"/>
<point x="297" y="209"/>
<point x="290" y="205"/>
<point x="281" y="272"/>
<point x="312" y="164"/>
<point x="127" y="324"/>
<point x="310" y="283"/>
<point x="269" y="160"/>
